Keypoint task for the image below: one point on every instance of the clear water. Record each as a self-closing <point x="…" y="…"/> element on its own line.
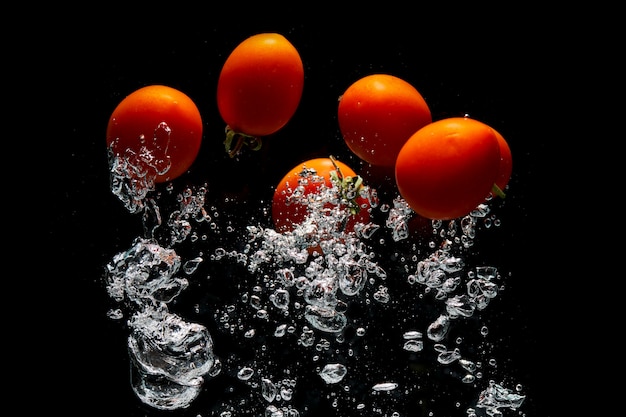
<point x="325" y="311"/>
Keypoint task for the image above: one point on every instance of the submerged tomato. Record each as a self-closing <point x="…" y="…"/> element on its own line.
<point x="260" y="85"/>
<point x="377" y="114"/>
<point x="447" y="168"/>
<point x="289" y="207"/>
<point x="160" y="125"/>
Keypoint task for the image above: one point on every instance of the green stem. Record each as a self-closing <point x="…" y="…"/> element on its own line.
<point x="241" y="140"/>
<point x="349" y="187"/>
<point x="497" y="191"/>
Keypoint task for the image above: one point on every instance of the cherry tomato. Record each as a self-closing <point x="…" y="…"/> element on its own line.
<point x="448" y="167"/>
<point x="289" y="207"/>
<point x="260" y="86"/>
<point x="160" y="125"/>
<point x="377" y="114"/>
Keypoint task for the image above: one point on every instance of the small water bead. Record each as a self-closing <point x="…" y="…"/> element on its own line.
<point x="245" y="373"/>
<point x="255" y="302"/>
<point x="333" y="372"/>
<point x="216" y="369"/>
<point x="468" y="379"/>
<point x="412" y="334"/>
<point x="192" y="265"/>
<point x="286" y="393"/>
<point x="385" y="386"/>
<point x="413" y="346"/>
<point x="439" y="347"/>
<point x="115" y="314"/>
<point x="323" y="344"/>
<point x="468" y="365"/>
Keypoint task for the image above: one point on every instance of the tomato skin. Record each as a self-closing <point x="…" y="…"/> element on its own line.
<point x="260" y="85"/>
<point x="286" y="216"/>
<point x="377" y="114"/>
<point x="506" y="163"/>
<point x="140" y="113"/>
<point x="447" y="168"/>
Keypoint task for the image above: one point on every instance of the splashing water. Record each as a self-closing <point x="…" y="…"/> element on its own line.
<point x="291" y="298"/>
<point x="169" y="355"/>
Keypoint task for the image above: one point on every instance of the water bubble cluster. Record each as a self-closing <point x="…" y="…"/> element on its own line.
<point x="312" y="292"/>
<point x="170" y="355"/>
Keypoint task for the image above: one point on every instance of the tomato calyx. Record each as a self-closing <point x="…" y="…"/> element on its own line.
<point x="497" y="191"/>
<point x="349" y="187"/>
<point x="241" y="139"/>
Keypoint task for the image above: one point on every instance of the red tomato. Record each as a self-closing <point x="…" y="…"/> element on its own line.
<point x="160" y="124"/>
<point x="447" y="168"/>
<point x="260" y="86"/>
<point x="377" y="115"/>
<point x="289" y="206"/>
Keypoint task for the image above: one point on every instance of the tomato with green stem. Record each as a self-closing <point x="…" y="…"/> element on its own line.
<point x="448" y="167"/>
<point x="259" y="89"/>
<point x="295" y="196"/>
<point x="158" y="129"/>
<point x="377" y="114"/>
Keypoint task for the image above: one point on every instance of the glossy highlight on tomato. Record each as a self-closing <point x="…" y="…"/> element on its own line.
<point x="288" y="209"/>
<point x="377" y="114"/>
<point x="260" y="85"/>
<point x="448" y="167"/>
<point x="157" y="123"/>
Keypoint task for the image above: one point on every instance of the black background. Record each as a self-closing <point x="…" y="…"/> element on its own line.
<point x="462" y="61"/>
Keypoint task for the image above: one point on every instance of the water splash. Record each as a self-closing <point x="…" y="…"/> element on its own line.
<point x="301" y="284"/>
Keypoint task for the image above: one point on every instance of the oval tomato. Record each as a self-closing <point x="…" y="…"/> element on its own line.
<point x="447" y="168"/>
<point x="260" y="86"/>
<point x="290" y="204"/>
<point x="377" y="114"/>
<point x="160" y="126"/>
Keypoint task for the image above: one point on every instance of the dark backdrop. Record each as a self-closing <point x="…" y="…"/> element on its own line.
<point x="460" y="60"/>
